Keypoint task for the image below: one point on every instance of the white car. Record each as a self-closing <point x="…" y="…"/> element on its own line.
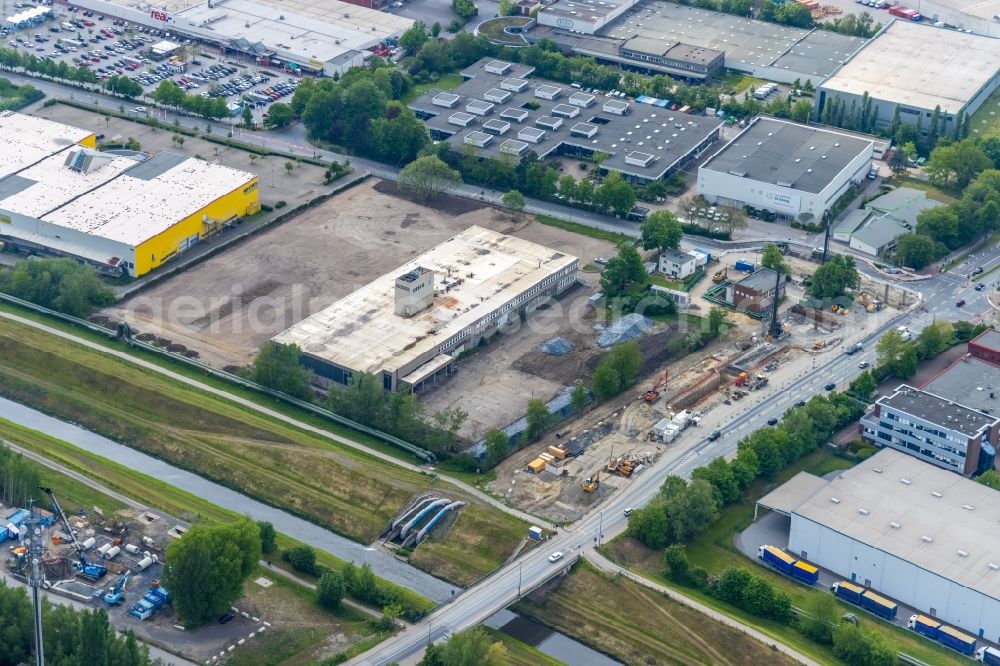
<point x="556" y="556"/>
<point x="139" y="109"/>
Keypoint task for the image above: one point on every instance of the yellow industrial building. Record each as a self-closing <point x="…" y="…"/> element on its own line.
<point x="125" y="213"/>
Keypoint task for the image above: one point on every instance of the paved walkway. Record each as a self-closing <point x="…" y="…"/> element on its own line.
<point x="605" y="564"/>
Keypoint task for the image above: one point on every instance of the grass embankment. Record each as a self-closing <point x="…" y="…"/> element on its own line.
<point x="154" y="493"/>
<point x="636" y="625"/>
<point x="446" y="82"/>
<point x="600" y="234"/>
<point x="944" y="195"/>
<point x="518" y="653"/>
<point x="714" y="549"/>
<point x="330" y="484"/>
<point x="985" y="122"/>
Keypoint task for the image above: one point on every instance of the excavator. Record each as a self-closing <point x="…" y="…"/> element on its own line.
<point x="652" y="394"/>
<point x="592" y="482"/>
<point x="84" y="567"/>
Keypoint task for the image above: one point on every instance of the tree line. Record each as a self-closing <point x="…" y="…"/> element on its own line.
<point x="71" y="638"/>
<point x="63" y="284"/>
<point x="13" y="58"/>
<point x="169" y="93"/>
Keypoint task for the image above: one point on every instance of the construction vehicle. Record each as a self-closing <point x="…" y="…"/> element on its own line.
<point x="819" y="344"/>
<point x="742" y="378"/>
<point x="117" y="593"/>
<point x="721" y="275"/>
<point x="84" y="567"/>
<point x="652" y="394"/>
<point x="592" y="483"/>
<point x="150" y="603"/>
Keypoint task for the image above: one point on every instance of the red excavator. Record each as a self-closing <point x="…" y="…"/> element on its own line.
<point x="652" y="394"/>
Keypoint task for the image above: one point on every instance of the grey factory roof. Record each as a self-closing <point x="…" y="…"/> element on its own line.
<point x="879" y="231"/>
<point x="585" y="10"/>
<point x="516" y="71"/>
<point x="677" y="256"/>
<point x="786" y="497"/>
<point x="971" y="382"/>
<point x="904" y="204"/>
<point x="788" y="154"/>
<point x="990" y="338"/>
<point x="669" y="135"/>
<point x="929" y="67"/>
<point x="938" y="410"/>
<point x="760" y="280"/>
<point x="936" y="519"/>
<point x="747" y="43"/>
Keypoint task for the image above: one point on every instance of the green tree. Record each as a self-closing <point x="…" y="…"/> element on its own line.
<point x="428" y="176"/>
<point x="832" y="278"/>
<point x="961" y="162"/>
<point x="622" y="271"/>
<point x="278" y="115"/>
<point x="676" y="562"/>
<point x="772" y="258"/>
<point x="60" y="284"/>
<point x="267" y="536"/>
<point x="95" y="630"/>
<point x="513" y="201"/>
<point x="661" y="231"/>
<point x="466" y="9"/>
<point x="414" y="37"/>
<point x="733" y="582"/>
<point x="247" y="116"/>
<point x="915" y="250"/>
<point x="617" y="370"/>
<point x="496" y="442"/>
<point x="471" y="647"/>
<point x="802" y="111"/>
<point x="398" y="137"/>
<point x="934" y="339"/>
<point x="206" y="569"/>
<point x="940" y="224"/>
<point x="990" y="479"/>
<point x="615" y="194"/>
<point x="538" y="418"/>
<point x="897" y="355"/>
<point x="567" y="187"/>
<point x="329" y="590"/>
<point x="720" y="474"/>
<point x="278" y="367"/>
<point x="289" y="167"/>
<point x="863" y="386"/>
<point x="579" y="397"/>
<point x="717" y="318"/>
<point x="302" y="558"/>
<point x="820" y="617"/>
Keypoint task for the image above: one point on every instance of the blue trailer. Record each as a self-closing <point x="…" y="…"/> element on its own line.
<point x="745" y="266"/>
<point x="957" y="640"/>
<point x="988" y="655"/>
<point x="848" y="591"/>
<point x="924" y="625"/>
<point x="879" y="605"/>
<point x="704" y="252"/>
<point x="805" y="572"/>
<point x="777" y="558"/>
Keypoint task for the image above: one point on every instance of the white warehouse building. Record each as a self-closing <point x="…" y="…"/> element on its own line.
<point x="791" y="170"/>
<point x="910" y="531"/>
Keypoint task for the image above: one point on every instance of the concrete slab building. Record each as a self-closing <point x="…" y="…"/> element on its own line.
<point x="908" y="530"/>
<point x="874" y="229"/>
<point x="407" y="327"/>
<point x="755" y="292"/>
<point x="325" y="37"/>
<point x="612" y="126"/>
<point x="930" y="67"/>
<point x="794" y="171"/>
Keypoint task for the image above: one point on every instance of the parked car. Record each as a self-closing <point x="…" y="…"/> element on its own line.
<point x="830" y="386"/>
<point x="961" y="303"/>
<point x="863" y="364"/>
<point x="714" y="435"/>
<point x="772" y="421"/>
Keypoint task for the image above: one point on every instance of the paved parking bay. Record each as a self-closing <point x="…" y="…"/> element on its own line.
<point x="113" y="47"/>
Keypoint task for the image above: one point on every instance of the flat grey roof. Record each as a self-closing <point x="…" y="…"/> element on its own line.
<point x="962" y="544"/>
<point x="583" y="10"/>
<point x="788" y="154"/>
<point x="786" y="497"/>
<point x="669" y="135"/>
<point x="516" y="71"/>
<point x="938" y="410"/>
<point x="990" y="338"/>
<point x="648" y="45"/>
<point x="747" y="43"/>
<point x="971" y="382"/>
<point x="929" y="67"/>
<point x="904" y="204"/>
<point x="880" y="231"/>
<point x="677" y="256"/>
<point x="760" y="280"/>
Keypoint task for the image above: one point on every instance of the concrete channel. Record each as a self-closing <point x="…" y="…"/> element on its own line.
<point x="384" y="565"/>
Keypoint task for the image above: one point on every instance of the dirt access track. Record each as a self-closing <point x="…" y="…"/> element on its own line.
<point x="226" y="307"/>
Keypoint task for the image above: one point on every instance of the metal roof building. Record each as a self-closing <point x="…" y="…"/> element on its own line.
<point x="911" y="531"/>
<point x="645" y="142"/>
<point x="29" y="139"/>
<point x="407" y="326"/>
<point x="784" y="167"/>
<point x="927" y="67"/>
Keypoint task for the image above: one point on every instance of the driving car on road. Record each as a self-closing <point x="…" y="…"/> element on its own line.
<point x="830" y="386"/>
<point x="556" y="556"/>
<point x="863" y="364"/>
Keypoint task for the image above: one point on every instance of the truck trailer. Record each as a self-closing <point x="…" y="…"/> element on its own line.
<point x="989" y="656"/>
<point x="879" y="605"/>
<point x="805" y="572"/>
<point x="777" y="558"/>
<point x="745" y="266"/>
<point x="848" y="591"/>
<point x="924" y="625"/>
<point x="957" y="640"/>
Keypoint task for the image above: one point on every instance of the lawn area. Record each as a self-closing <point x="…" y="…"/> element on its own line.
<point x="14" y="97"/>
<point x="600" y="234"/>
<point x="737" y="83"/>
<point x="636" y="625"/>
<point x="518" y="653"/>
<point x="664" y="282"/>
<point x="986" y="121"/>
<point x="446" y="82"/>
<point x="933" y="191"/>
<point x="303" y="473"/>
<point x="715" y="551"/>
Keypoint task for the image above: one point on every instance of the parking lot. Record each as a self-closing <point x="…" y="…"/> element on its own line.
<point x="113" y="47"/>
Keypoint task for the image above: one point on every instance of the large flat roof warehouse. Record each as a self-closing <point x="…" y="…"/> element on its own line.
<point x="936" y="409"/>
<point x="929" y="67"/>
<point x="475" y="275"/>
<point x="788" y="154"/>
<point x="28" y="139"/>
<point x="971" y="382"/>
<point x="937" y="520"/>
<point x="612" y="126"/>
<point x="748" y="44"/>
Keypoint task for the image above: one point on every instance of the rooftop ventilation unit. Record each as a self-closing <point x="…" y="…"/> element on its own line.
<point x="906" y="481"/>
<point x="968" y="507"/>
<point x="877" y="470"/>
<point x="863" y="512"/>
<point x="993" y="566"/>
<point x="835" y="500"/>
<point x="927" y="539"/>
<point x="894" y="525"/>
<point x="962" y="553"/>
<point x="936" y="494"/>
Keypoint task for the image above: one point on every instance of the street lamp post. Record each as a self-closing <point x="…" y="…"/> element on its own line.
<point x="519" y="566"/>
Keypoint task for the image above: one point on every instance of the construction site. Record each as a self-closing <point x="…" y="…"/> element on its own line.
<point x="590" y="456"/>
